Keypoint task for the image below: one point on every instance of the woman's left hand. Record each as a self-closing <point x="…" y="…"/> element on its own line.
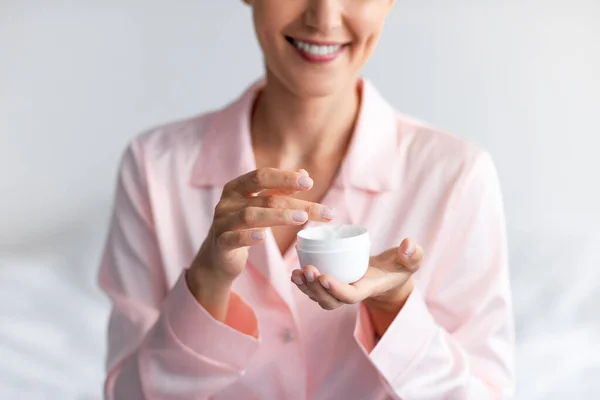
<point x="386" y="284"/>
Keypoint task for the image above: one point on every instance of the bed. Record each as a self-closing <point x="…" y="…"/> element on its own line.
<point x="52" y="316"/>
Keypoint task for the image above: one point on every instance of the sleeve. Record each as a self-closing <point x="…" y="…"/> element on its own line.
<point x="161" y="342"/>
<point x="457" y="340"/>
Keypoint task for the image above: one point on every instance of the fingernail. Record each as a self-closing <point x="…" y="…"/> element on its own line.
<point x="303" y="172"/>
<point x="325" y="284"/>
<point x="410" y="249"/>
<point x="299" y="216"/>
<point x="305" y="182"/>
<point x="310" y="276"/>
<point x="327" y="212"/>
<point x="298" y="280"/>
<point x="257" y="235"/>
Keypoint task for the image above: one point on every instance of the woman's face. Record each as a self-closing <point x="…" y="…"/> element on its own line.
<point x="317" y="47"/>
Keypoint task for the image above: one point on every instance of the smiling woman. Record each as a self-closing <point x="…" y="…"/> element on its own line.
<point x="336" y="38"/>
<point x="209" y="297"/>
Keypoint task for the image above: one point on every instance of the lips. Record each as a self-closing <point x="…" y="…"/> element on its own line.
<point x="317" y="52"/>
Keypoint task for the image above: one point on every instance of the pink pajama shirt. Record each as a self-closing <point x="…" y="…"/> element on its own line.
<point x="452" y="340"/>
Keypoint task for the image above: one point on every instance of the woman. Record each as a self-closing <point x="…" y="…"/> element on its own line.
<point x="208" y="298"/>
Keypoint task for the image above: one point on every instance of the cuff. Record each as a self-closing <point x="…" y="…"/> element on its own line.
<point x="404" y="339"/>
<point x="364" y="331"/>
<point x="195" y="328"/>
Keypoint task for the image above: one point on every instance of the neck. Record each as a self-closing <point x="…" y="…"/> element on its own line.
<point x="296" y="130"/>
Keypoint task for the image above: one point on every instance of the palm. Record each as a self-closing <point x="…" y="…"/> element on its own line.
<point x="382" y="275"/>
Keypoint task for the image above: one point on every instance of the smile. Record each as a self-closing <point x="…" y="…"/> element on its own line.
<point x="317" y="52"/>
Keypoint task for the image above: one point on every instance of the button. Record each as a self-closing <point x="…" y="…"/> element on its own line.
<point x="288" y="335"/>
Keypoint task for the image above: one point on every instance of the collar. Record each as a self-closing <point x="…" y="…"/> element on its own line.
<point x="226" y="150"/>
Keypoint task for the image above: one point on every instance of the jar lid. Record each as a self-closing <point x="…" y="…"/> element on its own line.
<point x="332" y="238"/>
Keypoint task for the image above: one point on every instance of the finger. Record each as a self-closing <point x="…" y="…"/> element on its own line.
<point x="316" y="212"/>
<point x="269" y="178"/>
<point x="410" y="255"/>
<point x="259" y="217"/>
<point x="283" y="192"/>
<point x="233" y="240"/>
<point x="298" y="279"/>
<point x="325" y="299"/>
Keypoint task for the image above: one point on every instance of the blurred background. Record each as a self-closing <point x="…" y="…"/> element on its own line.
<point x="79" y="79"/>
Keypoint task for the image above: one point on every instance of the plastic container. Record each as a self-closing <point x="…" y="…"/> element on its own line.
<point x="341" y="251"/>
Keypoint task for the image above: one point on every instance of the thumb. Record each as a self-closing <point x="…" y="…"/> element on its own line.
<point x="405" y="250"/>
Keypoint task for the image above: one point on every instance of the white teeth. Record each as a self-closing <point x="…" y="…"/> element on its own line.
<point x="316" y="49"/>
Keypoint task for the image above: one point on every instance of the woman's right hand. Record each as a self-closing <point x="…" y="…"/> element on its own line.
<point x="248" y="206"/>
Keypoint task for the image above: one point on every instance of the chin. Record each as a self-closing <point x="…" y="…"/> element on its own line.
<point x="318" y="86"/>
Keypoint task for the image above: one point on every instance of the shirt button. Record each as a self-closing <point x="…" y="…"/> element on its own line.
<point x="288" y="335"/>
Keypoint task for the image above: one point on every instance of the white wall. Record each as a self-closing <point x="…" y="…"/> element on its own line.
<point x="79" y="78"/>
<point x="520" y="77"/>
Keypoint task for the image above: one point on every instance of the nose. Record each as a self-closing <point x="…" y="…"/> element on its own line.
<point x="323" y="15"/>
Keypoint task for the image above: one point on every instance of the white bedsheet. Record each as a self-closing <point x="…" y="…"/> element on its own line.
<point x="52" y="317"/>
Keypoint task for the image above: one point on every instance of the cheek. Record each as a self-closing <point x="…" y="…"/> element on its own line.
<point x="263" y="27"/>
<point x="367" y="29"/>
<point x="366" y="21"/>
<point x="270" y="20"/>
